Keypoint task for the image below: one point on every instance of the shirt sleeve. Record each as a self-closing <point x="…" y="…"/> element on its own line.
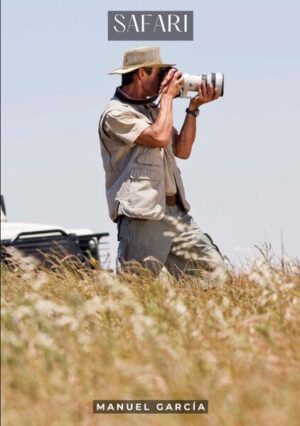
<point x="124" y="126"/>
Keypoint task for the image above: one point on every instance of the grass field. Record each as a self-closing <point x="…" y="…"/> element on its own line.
<point x="70" y="337"/>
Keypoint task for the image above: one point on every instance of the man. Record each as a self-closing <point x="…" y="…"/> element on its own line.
<point x="144" y="188"/>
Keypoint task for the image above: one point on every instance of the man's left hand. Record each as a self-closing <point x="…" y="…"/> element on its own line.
<point x="206" y="93"/>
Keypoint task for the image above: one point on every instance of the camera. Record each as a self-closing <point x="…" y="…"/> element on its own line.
<point x="191" y="82"/>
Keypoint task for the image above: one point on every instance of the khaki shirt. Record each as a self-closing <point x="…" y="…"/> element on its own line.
<point x="137" y="177"/>
<point x="170" y="182"/>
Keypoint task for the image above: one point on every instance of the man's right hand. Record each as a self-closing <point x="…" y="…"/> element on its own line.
<point x="172" y="83"/>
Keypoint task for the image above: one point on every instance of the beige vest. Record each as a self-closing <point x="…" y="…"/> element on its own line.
<point x="135" y="183"/>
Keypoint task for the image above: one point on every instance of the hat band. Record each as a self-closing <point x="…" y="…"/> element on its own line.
<point x="142" y="64"/>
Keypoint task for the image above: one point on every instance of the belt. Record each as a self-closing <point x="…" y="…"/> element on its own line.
<point x="172" y="200"/>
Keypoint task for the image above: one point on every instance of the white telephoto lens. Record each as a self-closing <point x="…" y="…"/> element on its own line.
<point x="191" y="82"/>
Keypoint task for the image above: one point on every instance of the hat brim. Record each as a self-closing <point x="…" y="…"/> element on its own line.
<point x="125" y="70"/>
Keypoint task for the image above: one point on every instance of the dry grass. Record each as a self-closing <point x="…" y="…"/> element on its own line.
<point x="71" y="337"/>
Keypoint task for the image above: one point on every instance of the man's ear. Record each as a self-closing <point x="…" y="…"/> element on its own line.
<point x="141" y="73"/>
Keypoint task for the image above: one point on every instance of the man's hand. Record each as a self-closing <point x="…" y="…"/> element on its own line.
<point x="206" y="93"/>
<point x="172" y="83"/>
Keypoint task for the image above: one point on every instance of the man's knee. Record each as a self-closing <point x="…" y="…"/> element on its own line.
<point x="219" y="275"/>
<point x="139" y="267"/>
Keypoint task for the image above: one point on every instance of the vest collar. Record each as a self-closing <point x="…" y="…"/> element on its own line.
<point x="125" y="98"/>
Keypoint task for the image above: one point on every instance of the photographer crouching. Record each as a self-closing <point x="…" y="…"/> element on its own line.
<point x="144" y="187"/>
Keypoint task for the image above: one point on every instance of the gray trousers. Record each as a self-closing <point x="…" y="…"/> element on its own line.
<point x="175" y="242"/>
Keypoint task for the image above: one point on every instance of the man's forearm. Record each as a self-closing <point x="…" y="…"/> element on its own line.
<point x="159" y="133"/>
<point x="183" y="144"/>
<point x="163" y="124"/>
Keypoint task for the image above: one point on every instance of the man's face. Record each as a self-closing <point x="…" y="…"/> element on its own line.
<point x="151" y="83"/>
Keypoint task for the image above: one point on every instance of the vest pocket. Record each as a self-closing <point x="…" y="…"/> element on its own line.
<point x="145" y="174"/>
<point x="149" y="159"/>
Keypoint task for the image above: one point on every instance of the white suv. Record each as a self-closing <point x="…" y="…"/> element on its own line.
<point x="49" y="242"/>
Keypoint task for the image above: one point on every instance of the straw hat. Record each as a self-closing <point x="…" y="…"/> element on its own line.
<point x="141" y="57"/>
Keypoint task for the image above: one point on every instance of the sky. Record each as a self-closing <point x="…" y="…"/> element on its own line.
<point x="242" y="179"/>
